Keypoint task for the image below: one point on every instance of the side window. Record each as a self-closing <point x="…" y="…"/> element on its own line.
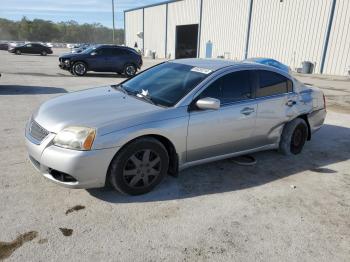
<point x="232" y="87"/>
<point x="213" y="91"/>
<point x="271" y="83"/>
<point x="105" y="51"/>
<point x="236" y="87"/>
<point x="118" y="51"/>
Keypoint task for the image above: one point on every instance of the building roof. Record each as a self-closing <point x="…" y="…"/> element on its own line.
<point x="152" y="5"/>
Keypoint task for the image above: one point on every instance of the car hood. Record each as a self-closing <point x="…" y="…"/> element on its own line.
<point x="103" y="108"/>
<point x="70" y="56"/>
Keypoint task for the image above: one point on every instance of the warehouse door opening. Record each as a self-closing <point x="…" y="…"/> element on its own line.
<point x="186" y="41"/>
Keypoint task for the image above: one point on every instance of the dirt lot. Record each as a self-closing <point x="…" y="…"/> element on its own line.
<point x="282" y="209"/>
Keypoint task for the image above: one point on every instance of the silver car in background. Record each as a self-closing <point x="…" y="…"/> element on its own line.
<point x="172" y="116"/>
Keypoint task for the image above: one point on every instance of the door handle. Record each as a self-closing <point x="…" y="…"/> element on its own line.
<point x="291" y="103"/>
<point x="247" y="111"/>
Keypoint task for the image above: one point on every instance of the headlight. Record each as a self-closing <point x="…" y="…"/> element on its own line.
<point x="76" y="138"/>
<point x="67" y="61"/>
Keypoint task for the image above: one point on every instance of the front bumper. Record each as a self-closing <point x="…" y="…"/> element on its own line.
<point x="64" y="66"/>
<point x="88" y="168"/>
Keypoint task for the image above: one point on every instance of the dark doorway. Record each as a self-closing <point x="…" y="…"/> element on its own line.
<point x="186" y="41"/>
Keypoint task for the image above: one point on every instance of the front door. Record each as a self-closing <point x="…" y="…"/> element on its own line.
<point x="98" y="59"/>
<point x="229" y="129"/>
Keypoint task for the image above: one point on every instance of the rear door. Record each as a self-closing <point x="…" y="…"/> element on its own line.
<point x="37" y="49"/>
<point x="115" y="61"/>
<point x="229" y="129"/>
<point x="276" y="106"/>
<point x="28" y="48"/>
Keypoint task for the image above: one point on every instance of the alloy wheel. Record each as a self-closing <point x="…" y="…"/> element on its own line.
<point x="79" y="69"/>
<point x="130" y="70"/>
<point x="142" y="169"/>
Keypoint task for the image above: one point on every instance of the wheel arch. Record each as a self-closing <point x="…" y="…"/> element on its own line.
<point x="81" y="61"/>
<point x="305" y="118"/>
<point x="167" y="143"/>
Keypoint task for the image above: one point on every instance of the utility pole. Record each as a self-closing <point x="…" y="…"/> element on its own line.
<point x="113" y="19"/>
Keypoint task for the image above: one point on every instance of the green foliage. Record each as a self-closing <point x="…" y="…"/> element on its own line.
<point x="63" y="32"/>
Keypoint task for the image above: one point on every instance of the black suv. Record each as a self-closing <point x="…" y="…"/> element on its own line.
<point x="103" y="58"/>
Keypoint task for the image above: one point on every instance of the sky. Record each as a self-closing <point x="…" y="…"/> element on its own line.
<point x="82" y="11"/>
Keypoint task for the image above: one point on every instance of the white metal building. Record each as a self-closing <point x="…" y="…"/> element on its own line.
<point x="290" y="31"/>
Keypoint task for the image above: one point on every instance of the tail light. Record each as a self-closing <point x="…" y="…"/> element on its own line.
<point x="324" y="102"/>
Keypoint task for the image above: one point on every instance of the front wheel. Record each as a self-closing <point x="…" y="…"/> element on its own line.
<point x="79" y="69"/>
<point x="18" y="52"/>
<point x="130" y="70"/>
<point x="293" y="137"/>
<point x="139" y="167"/>
<point x="43" y="53"/>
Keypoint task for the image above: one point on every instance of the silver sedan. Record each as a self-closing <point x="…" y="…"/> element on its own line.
<point x="172" y="116"/>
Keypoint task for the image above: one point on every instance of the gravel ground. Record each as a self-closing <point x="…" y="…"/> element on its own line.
<point x="282" y="209"/>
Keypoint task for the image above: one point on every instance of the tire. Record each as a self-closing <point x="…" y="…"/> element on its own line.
<point x="18" y="52"/>
<point x="79" y="69"/>
<point x="293" y="137"/>
<point x="43" y="53"/>
<point x="130" y="70"/>
<point x="135" y="172"/>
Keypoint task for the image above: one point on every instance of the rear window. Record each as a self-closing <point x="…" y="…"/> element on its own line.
<point x="271" y="83"/>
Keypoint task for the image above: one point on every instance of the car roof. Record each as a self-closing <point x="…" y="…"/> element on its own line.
<point x="217" y="64"/>
<point x="212" y="64"/>
<point x="260" y="59"/>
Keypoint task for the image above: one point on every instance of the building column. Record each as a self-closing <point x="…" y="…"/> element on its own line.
<point x="328" y="33"/>
<point x="200" y="28"/>
<point x="248" y="29"/>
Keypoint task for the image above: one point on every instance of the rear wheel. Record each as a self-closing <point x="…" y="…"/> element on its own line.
<point x="139" y="167"/>
<point x="293" y="137"/>
<point x="130" y="70"/>
<point x="79" y="68"/>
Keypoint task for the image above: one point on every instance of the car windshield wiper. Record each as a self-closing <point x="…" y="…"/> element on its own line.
<point x="141" y="95"/>
<point x="146" y="97"/>
<point x="120" y="88"/>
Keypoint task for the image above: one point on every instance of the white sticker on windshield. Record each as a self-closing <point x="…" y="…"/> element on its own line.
<point x="201" y="70"/>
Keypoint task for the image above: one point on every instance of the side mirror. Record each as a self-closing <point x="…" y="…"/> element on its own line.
<point x="93" y="53"/>
<point x="208" y="103"/>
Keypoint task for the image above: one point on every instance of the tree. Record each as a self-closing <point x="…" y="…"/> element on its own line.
<point x="48" y="31"/>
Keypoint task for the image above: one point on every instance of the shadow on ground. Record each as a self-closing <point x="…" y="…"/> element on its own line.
<point x="102" y="75"/>
<point x="108" y="75"/>
<point x="29" y="90"/>
<point x="330" y="145"/>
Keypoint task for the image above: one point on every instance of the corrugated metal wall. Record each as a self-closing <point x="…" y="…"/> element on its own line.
<point x="289" y="31"/>
<point x="225" y="25"/>
<point x="133" y="25"/>
<point x="180" y="13"/>
<point x="338" y="55"/>
<point x="155" y="29"/>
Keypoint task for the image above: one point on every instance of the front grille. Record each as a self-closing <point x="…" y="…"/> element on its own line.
<point x="37" y="132"/>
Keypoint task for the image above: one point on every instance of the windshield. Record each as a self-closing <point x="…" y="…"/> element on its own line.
<point x="167" y="83"/>
<point x="90" y="49"/>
